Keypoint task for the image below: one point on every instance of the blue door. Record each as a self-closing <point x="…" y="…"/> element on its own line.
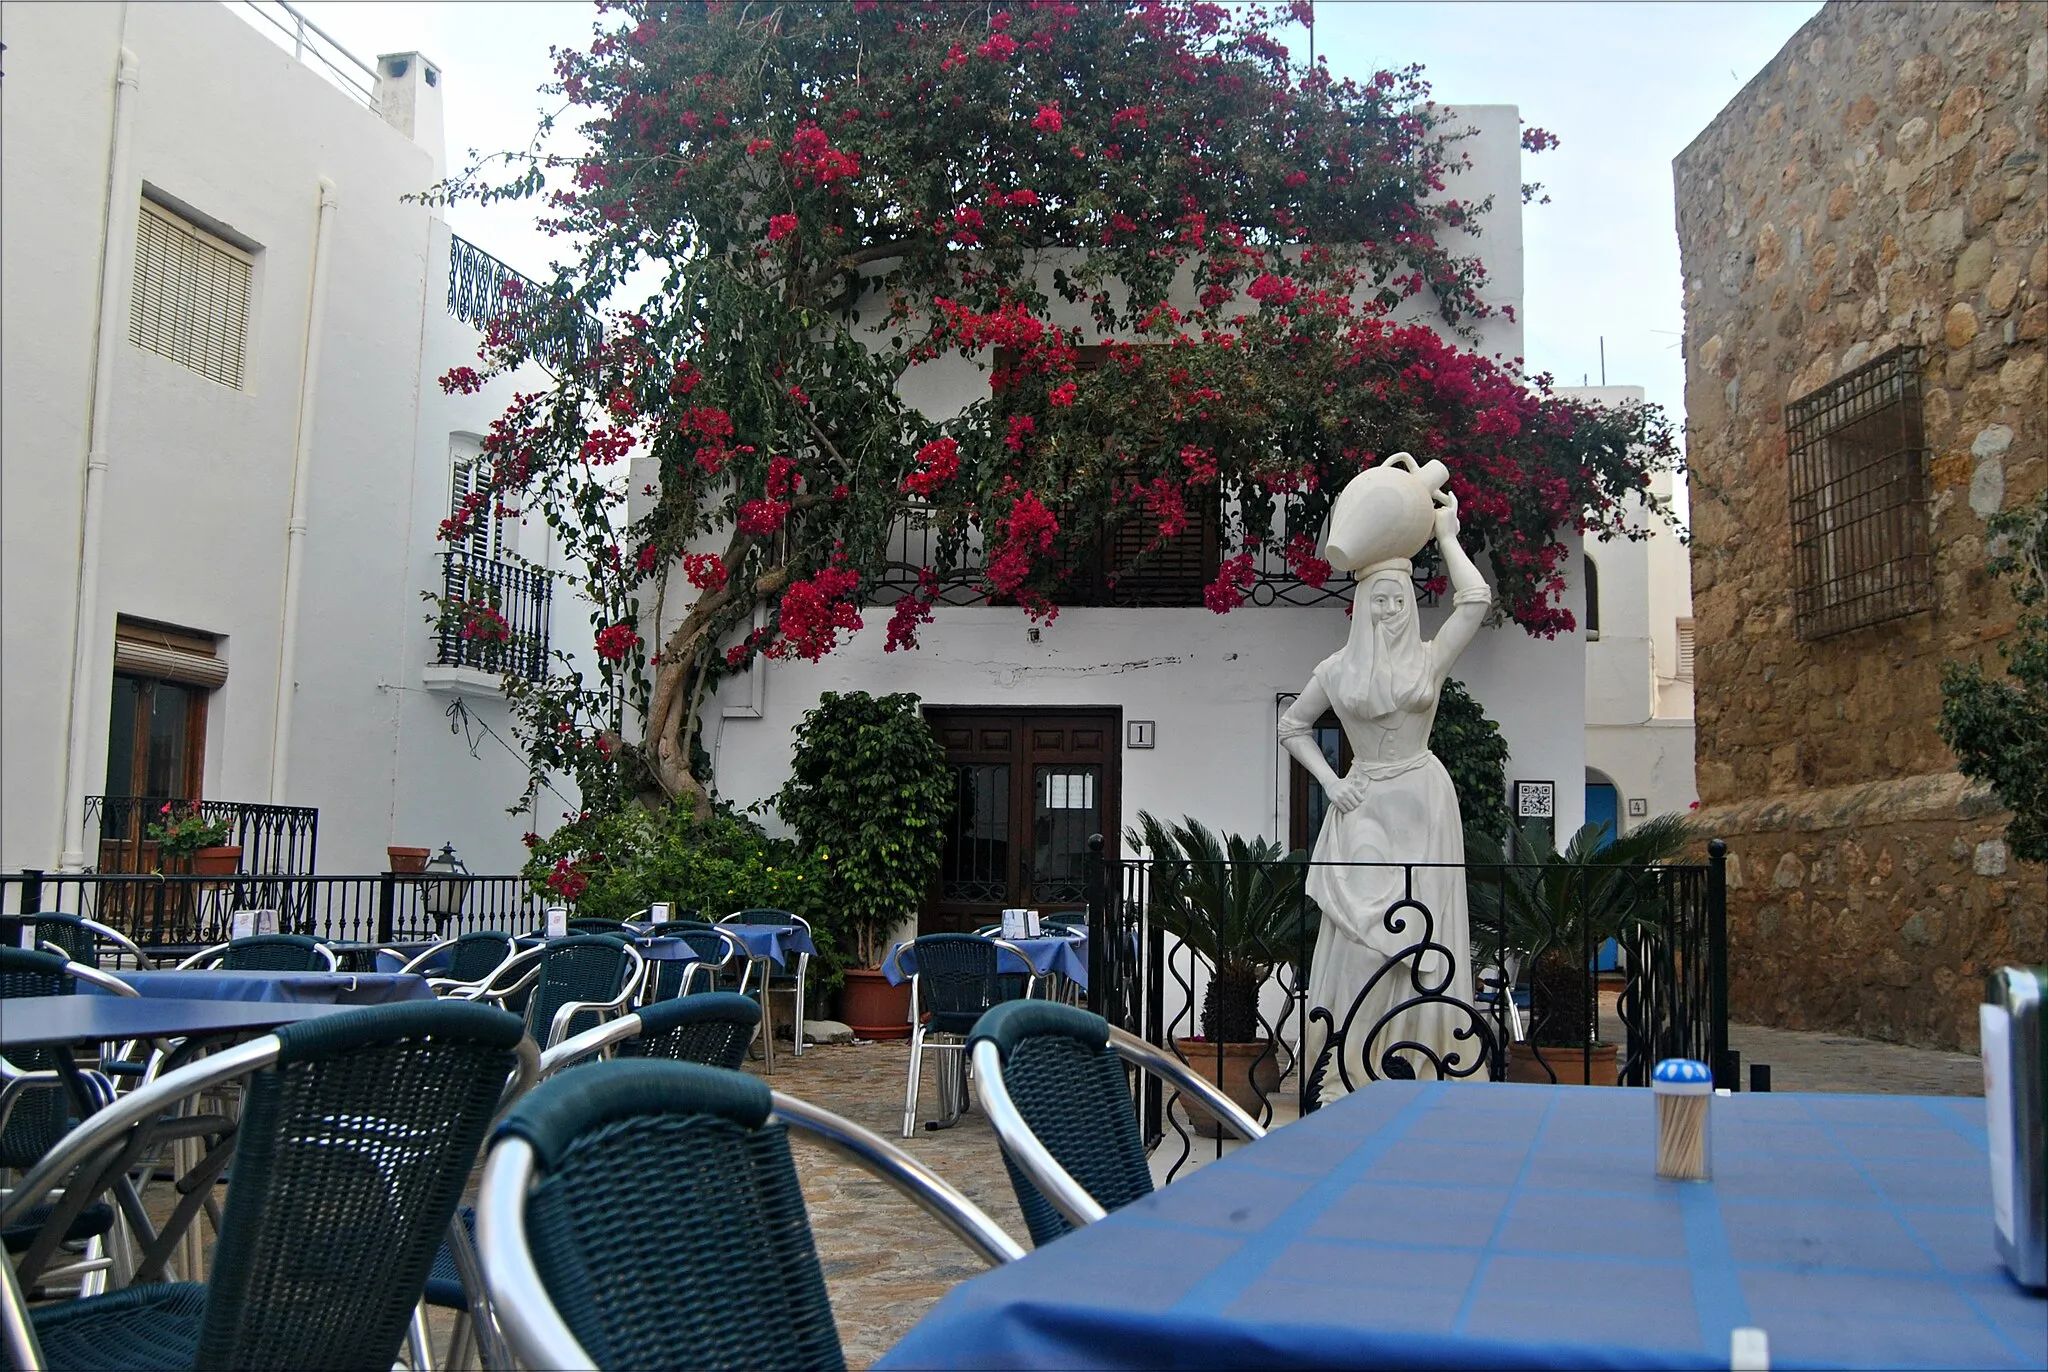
<point x="1603" y="807"/>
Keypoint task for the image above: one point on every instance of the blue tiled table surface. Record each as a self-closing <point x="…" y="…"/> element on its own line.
<point x="1456" y="1224"/>
<point x="332" y="988"/>
<point x="1066" y="956"/>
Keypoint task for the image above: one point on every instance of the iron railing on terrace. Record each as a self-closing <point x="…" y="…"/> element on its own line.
<point x="184" y="912"/>
<point x="273" y="838"/>
<point x="485" y="293"/>
<point x="1171" y="576"/>
<point x="1535" y="995"/>
<point x="494" y="616"/>
<point x="309" y="43"/>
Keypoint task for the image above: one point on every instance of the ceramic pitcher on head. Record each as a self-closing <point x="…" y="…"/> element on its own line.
<point x="1386" y="513"/>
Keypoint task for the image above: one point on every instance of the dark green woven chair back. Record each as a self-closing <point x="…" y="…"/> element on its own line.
<point x="40" y="1117"/>
<point x="273" y="953"/>
<point x="579" y="967"/>
<point x="476" y="956"/>
<point x="591" y="924"/>
<point x="760" y="915"/>
<point x="957" y="981"/>
<point x="356" y="959"/>
<point x="714" y="1029"/>
<point x="353" y="1153"/>
<point x="1072" y="1090"/>
<point x="67" y="932"/>
<point x="707" y="944"/>
<point x="666" y="1221"/>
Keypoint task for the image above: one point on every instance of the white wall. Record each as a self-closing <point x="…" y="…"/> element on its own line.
<point x="199" y="484"/>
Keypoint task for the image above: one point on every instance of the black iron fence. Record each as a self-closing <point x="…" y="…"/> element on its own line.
<point x="486" y="294"/>
<point x="1220" y="972"/>
<point x="494" y="616"/>
<point x="158" y="911"/>
<point x="273" y="838"/>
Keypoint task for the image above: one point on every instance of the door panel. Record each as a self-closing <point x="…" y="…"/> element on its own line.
<point x="1031" y="789"/>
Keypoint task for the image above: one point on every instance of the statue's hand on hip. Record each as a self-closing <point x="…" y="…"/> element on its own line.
<point x="1349" y="794"/>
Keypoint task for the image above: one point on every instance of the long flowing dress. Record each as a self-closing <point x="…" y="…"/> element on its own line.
<point x="1409" y="815"/>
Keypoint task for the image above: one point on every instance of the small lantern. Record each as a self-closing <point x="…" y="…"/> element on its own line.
<point x="444" y="884"/>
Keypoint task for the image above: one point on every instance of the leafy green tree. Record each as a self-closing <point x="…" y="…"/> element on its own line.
<point x="1998" y="727"/>
<point x="827" y="196"/>
<point x="869" y="793"/>
<point x="1472" y="750"/>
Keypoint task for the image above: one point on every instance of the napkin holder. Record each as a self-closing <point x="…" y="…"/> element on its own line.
<point x="2011" y="1030"/>
<point x="558" y="921"/>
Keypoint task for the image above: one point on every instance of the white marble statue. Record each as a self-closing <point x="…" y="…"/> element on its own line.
<point x="1396" y="804"/>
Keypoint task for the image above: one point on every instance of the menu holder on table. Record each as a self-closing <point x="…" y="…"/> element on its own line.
<point x="558" y="921"/>
<point x="1021" y="924"/>
<point x="657" y="913"/>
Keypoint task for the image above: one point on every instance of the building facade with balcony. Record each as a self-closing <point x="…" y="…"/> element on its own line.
<point x="226" y="458"/>
<point x="1136" y="697"/>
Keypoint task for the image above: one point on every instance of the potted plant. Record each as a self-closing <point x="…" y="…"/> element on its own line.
<point x="1546" y="909"/>
<point x="1238" y="904"/>
<point x="406" y="861"/>
<point x="869" y="793"/>
<point x="183" y="833"/>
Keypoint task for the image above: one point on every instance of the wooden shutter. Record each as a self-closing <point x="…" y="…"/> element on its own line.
<point x="191" y="299"/>
<point x="472" y="473"/>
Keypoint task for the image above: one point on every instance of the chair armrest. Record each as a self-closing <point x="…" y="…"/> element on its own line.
<point x="1186" y="1080"/>
<point x="413" y="964"/>
<point x="569" y="1009"/>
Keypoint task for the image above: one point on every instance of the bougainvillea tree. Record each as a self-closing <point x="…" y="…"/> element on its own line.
<point x="814" y="200"/>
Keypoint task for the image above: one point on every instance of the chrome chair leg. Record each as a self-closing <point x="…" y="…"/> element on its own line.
<point x="910" y="1095"/>
<point x="803" y="963"/>
<point x="418" y="1347"/>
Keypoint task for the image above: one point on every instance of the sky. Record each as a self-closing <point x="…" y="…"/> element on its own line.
<point x="1625" y="87"/>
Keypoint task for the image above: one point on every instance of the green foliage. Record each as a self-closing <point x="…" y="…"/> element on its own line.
<point x="869" y="794"/>
<point x="1237" y="902"/>
<point x="1999" y="728"/>
<point x="1472" y="750"/>
<point x="613" y="865"/>
<point x="181" y="831"/>
<point x="1554" y="907"/>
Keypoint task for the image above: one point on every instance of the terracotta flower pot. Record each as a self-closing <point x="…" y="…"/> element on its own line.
<point x="1568" y="1066"/>
<point x="873" y="1008"/>
<point x="408" y="859"/>
<point x="1250" y="1075"/>
<point x="217" y="862"/>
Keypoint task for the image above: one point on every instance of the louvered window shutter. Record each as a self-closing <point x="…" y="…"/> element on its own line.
<point x="486" y="535"/>
<point x="1685" y="649"/>
<point x="191" y="298"/>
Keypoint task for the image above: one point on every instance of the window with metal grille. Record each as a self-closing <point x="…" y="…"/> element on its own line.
<point x="1856" y="455"/>
<point x="191" y="298"/>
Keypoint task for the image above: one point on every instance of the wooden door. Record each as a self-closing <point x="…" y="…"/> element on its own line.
<point x="1031" y="789"/>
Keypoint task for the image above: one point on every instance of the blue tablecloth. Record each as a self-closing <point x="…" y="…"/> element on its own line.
<point x="1066" y="956"/>
<point x="332" y="988"/>
<point x="775" y="942"/>
<point x="1442" y="1225"/>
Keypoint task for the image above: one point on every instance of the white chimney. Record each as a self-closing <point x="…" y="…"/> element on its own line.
<point x="409" y="99"/>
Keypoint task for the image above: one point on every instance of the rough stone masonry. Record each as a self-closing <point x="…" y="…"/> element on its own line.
<point x="1879" y="183"/>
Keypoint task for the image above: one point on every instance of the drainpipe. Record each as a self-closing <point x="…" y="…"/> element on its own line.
<point x="302" y="483"/>
<point x="117" y="279"/>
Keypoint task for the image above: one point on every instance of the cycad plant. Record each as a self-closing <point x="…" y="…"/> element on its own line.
<point x="1237" y="903"/>
<point x="1552" y="907"/>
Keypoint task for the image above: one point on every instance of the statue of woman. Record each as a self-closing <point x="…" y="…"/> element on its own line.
<point x="1396" y="805"/>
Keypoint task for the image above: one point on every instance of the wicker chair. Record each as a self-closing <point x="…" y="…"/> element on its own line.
<point x="763" y="915"/>
<point x="712" y="1029"/>
<point x="468" y="963"/>
<point x="79" y="939"/>
<point x="954" y="981"/>
<point x="357" y="1135"/>
<point x="569" y="985"/>
<point x="592" y="924"/>
<point x="1052" y="1081"/>
<point x="716" y="949"/>
<point x="266" y="953"/>
<point x="588" y="1256"/>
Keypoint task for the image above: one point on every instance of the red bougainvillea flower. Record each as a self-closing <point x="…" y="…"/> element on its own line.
<point x="706" y="571"/>
<point x="1233" y="578"/>
<point x="463" y="379"/>
<point x="1048" y="119"/>
<point x="1062" y="394"/>
<point x="615" y="641"/>
<point x="780" y="226"/>
<point x="1308" y="569"/>
<point x="762" y="517"/>
<point x="938" y="462"/>
<point x="814" y="613"/>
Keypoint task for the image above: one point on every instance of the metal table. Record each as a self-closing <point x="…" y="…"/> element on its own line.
<point x="1461" y="1224"/>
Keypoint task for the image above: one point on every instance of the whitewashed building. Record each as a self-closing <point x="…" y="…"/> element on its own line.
<point x="225" y="456"/>
<point x="1067" y="729"/>
<point x="1638" y="597"/>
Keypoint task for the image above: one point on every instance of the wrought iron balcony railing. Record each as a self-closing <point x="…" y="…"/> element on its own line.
<point x="494" y="616"/>
<point x="279" y="839"/>
<point x="482" y="292"/>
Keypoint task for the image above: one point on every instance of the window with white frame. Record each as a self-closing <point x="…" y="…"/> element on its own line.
<point x="191" y="296"/>
<point x="471" y="474"/>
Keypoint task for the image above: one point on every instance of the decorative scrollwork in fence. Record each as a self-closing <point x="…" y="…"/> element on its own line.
<point x="485" y="293"/>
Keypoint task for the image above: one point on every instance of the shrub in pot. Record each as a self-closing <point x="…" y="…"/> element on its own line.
<point x="869" y="794"/>
<point x="1547" y="909"/>
<point x="1239" y="906"/>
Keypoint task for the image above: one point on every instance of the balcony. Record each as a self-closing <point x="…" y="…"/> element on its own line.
<point x="280" y="839"/>
<point x="485" y="293"/>
<point x="494" y="616"/>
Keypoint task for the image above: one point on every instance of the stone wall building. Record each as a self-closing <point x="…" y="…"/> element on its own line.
<point x="1864" y="239"/>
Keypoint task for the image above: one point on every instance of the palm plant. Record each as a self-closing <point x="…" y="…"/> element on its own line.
<point x="1552" y="908"/>
<point x="1237" y="903"/>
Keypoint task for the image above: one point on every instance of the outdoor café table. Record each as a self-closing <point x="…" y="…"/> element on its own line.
<point x="1049" y="954"/>
<point x="331" y="988"/>
<point x="1471" y="1224"/>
